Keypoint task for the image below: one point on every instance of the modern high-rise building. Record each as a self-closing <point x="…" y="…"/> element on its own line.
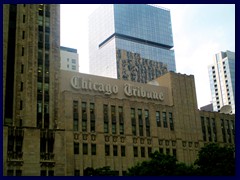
<point x="131" y="42"/>
<point x="222" y="80"/>
<point x="31" y="65"/>
<point x="69" y="59"/>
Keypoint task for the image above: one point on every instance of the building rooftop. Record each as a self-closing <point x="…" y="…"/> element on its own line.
<point x="68" y="49"/>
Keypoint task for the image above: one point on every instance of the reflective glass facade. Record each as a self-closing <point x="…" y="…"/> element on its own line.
<point x="222" y="80"/>
<point x="136" y="28"/>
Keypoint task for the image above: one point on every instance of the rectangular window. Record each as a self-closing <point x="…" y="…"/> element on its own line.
<point x="74" y="61"/>
<point x="135" y="151"/>
<point x="85" y="148"/>
<point x="105" y="118"/>
<point x="84" y="126"/>
<point x="203" y="128"/>
<point x="40" y="38"/>
<point x="171" y="121"/>
<point x="107" y="150"/>
<point x="147" y="118"/>
<point x="148" y="131"/>
<point x="115" y="150"/>
<point x="75" y="115"/>
<point x="10" y="172"/>
<point x="21" y="104"/>
<point x="134" y="130"/>
<point x="158" y="119"/>
<point x="84" y="111"/>
<point x="165" y="125"/>
<point x="123" y="151"/>
<point x="106" y="129"/>
<point x="133" y="120"/>
<point x="142" y="151"/>
<point x="75" y="125"/>
<point x="174" y="153"/>
<point x="121" y="121"/>
<point x="43" y="173"/>
<point x="21" y="88"/>
<point x="19" y="144"/>
<point x="121" y="129"/>
<point x="24" y="18"/>
<point x="76" y="172"/>
<point x="84" y="116"/>
<point x="47" y="38"/>
<point x="161" y="150"/>
<point x="47" y="20"/>
<point x="168" y="151"/>
<point x="76" y="148"/>
<point x="140" y="121"/>
<point x="120" y="114"/>
<point x="50" y="173"/>
<point x="74" y="67"/>
<point x="209" y="129"/>
<point x="18" y="172"/>
<point x="114" y="131"/>
<point x="92" y="116"/>
<point x="149" y="151"/>
<point x="92" y="111"/>
<point x="22" y="51"/>
<point x="94" y="149"/>
<point x="229" y="132"/>
<point x="113" y="117"/>
<point x="140" y="130"/>
<point x="214" y="130"/>
<point x="22" y="68"/>
<point x="105" y="113"/>
<point x="23" y="35"/>
<point x="113" y="114"/>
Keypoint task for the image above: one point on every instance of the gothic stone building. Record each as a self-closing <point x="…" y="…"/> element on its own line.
<point x="60" y="122"/>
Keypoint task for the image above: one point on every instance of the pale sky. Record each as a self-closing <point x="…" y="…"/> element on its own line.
<point x="199" y="31"/>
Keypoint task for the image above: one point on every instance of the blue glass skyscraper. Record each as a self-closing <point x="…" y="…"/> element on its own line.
<point x="131" y="42"/>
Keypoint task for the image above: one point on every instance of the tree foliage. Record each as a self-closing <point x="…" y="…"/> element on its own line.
<point x="214" y="160"/>
<point x="160" y="165"/>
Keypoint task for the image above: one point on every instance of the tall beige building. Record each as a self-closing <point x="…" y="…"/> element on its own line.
<point x="117" y="123"/>
<point x="31" y="53"/>
<point x="60" y="122"/>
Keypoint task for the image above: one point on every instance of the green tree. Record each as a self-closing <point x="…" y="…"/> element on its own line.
<point x="160" y="165"/>
<point x="214" y="160"/>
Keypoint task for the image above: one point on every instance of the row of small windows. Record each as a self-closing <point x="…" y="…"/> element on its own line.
<point x="12" y="172"/>
<point x="43" y="80"/>
<point x="209" y="130"/>
<point x="21" y="84"/>
<point x="115" y="150"/>
<point x="228" y="131"/>
<point x="73" y="67"/>
<point x="73" y="61"/>
<point x="116" y="113"/>
<point x="19" y="173"/>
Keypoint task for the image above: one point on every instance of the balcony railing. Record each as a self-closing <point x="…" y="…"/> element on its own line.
<point x="46" y="156"/>
<point x="15" y="156"/>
